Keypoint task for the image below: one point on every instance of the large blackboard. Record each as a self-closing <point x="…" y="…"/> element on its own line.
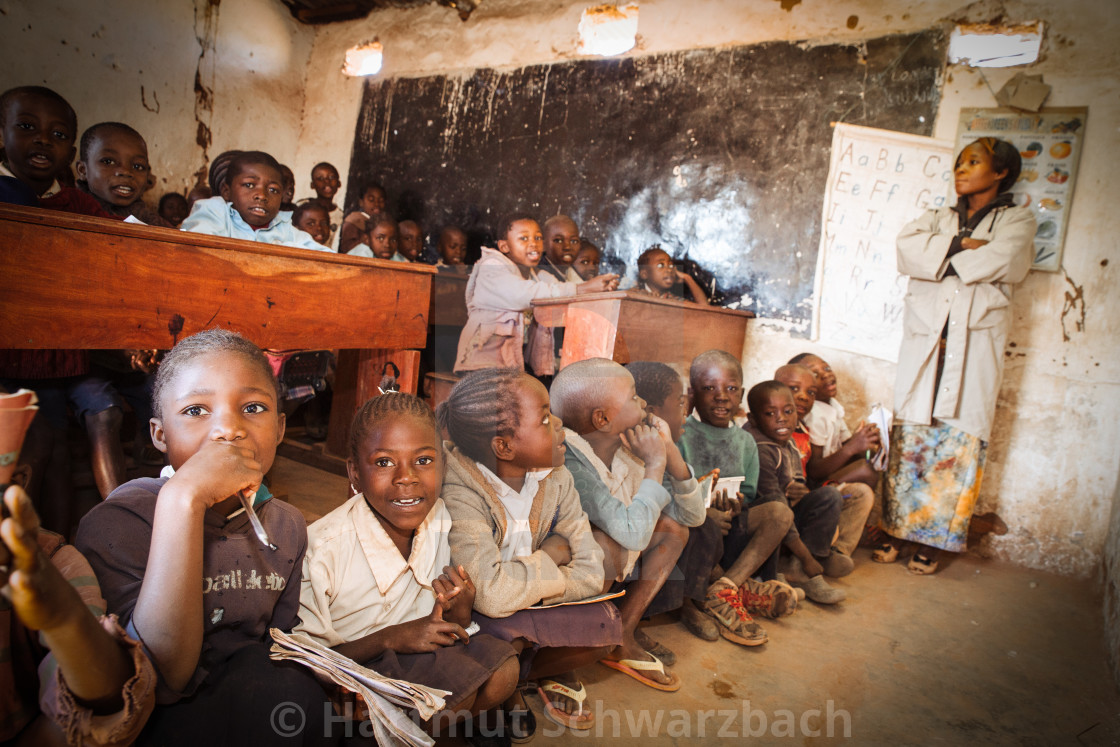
<point x="717" y="154"/>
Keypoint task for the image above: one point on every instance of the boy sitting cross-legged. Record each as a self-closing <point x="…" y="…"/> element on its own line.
<point x="754" y="529"/>
<point x="618" y="461"/>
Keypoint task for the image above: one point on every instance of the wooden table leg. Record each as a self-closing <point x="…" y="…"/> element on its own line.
<point x="356" y="380"/>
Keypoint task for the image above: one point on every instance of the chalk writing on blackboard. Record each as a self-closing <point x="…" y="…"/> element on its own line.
<point x="878" y="180"/>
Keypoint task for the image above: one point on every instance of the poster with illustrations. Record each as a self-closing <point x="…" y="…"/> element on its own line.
<point x="1050" y="144"/>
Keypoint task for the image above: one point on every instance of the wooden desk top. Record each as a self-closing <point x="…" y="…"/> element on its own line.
<point x="542" y="306"/>
<point x="73" y="281"/>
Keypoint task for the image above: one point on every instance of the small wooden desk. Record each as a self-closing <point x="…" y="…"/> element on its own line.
<point x="634" y="326"/>
<point x="72" y="281"/>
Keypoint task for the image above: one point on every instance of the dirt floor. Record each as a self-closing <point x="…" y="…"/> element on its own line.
<point x="980" y="653"/>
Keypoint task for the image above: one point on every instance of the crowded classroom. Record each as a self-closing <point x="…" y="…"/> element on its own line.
<point x="680" y="371"/>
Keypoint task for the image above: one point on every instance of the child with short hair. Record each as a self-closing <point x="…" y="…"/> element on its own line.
<point x="452" y="248"/>
<point x="858" y="497"/>
<point x="586" y="264"/>
<point x="618" y="461"/>
<point x="686" y="589"/>
<point x="752" y="531"/>
<point x="113" y="167"/>
<point x="378" y="584"/>
<point x="356" y="225"/>
<point x="519" y="530"/>
<point x="410" y="240"/>
<point x="174" y="209"/>
<point x="382" y="239"/>
<point x="37" y="131"/>
<point x="561" y="244"/>
<point x="314" y="220"/>
<point x="772" y="417"/>
<point x="658" y="275"/>
<point x="326" y="183"/>
<point x="249" y="205"/>
<point x="180" y="564"/>
<point x="65" y="675"/>
<point x="288" y="180"/>
<point x="500" y="292"/>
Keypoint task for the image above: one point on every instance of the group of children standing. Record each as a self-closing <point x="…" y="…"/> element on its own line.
<point x="500" y="543"/>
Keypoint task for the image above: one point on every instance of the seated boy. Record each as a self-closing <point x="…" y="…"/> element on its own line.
<point x="93" y="683"/>
<point x="753" y="531"/>
<point x="249" y="205"/>
<point x="410" y="240"/>
<point x="658" y="275"/>
<point x="586" y="264"/>
<point x="687" y="588"/>
<point x="858" y="498"/>
<point x="38" y="129"/>
<point x="382" y="239"/>
<point x="772" y="418"/>
<point x="838" y="454"/>
<point x="313" y="219"/>
<point x="325" y="182"/>
<point x="561" y="243"/>
<point x="452" y="249"/>
<point x="113" y="167"/>
<point x="356" y="225"/>
<point x="618" y="463"/>
<point x="174" y="209"/>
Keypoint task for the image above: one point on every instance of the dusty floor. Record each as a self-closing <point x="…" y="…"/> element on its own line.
<point x="982" y="653"/>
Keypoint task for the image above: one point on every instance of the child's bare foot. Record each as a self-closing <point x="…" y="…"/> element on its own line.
<point x="41" y="597"/>
<point x="662" y="652"/>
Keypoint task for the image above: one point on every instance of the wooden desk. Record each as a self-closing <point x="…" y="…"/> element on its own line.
<point x="447" y="317"/>
<point x="634" y="326"/>
<point x="72" y="281"/>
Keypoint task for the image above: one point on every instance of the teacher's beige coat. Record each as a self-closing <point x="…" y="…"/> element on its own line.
<point x="976" y="306"/>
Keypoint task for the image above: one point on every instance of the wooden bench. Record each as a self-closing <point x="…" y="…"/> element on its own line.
<point x="634" y="326"/>
<point x="72" y="281"/>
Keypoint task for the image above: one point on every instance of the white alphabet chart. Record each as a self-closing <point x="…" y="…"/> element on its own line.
<point x="878" y="181"/>
<point x="1049" y="143"/>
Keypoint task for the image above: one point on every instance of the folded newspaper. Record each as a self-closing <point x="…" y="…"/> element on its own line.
<point x="382" y="695"/>
<point x="882" y="418"/>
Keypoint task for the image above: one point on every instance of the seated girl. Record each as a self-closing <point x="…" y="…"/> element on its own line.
<point x="377" y="584"/>
<point x="519" y="531"/>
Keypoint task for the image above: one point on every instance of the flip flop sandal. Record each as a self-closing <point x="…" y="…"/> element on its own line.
<point x="658" y="649"/>
<point x="571" y="720"/>
<point x="920" y="565"/>
<point x="521" y="724"/>
<point x="635" y="667"/>
<point x="885" y="553"/>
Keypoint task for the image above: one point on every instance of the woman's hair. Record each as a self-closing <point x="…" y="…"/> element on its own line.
<point x="484" y="404"/>
<point x="653" y="380"/>
<point x="383" y="407"/>
<point x="210" y="341"/>
<point x="1004" y="156"/>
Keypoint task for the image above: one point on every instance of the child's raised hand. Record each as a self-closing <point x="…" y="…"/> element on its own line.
<point x="41" y="597"/>
<point x="647" y="445"/>
<point x="455" y="593"/>
<point x="218" y="470"/>
<point x="557" y="548"/>
<point x="598" y="284"/>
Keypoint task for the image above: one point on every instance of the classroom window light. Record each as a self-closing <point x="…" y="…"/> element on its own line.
<point x="987" y="45"/>
<point x="608" y="30"/>
<point x="364" y="59"/>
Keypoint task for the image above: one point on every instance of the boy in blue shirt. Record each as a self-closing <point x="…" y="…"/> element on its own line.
<point x="249" y="205"/>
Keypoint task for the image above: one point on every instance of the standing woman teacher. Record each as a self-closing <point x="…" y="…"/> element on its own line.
<point x="962" y="262"/>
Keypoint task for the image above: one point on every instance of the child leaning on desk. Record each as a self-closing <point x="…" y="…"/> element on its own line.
<point x="499" y="297"/>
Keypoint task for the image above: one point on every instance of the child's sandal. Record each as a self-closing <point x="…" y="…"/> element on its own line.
<point x="885" y="553"/>
<point x="920" y="565"/>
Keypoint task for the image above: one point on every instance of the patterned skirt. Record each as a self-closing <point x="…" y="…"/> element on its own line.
<point x="932" y="484"/>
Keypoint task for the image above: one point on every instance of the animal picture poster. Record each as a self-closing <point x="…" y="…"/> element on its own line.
<point x="1049" y="143"/>
<point x="878" y="181"/>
